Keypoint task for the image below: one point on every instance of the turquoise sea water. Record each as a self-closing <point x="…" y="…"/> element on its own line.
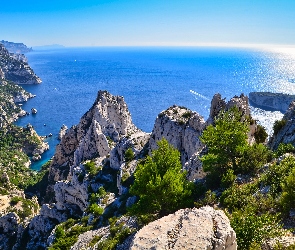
<point x="150" y="79"/>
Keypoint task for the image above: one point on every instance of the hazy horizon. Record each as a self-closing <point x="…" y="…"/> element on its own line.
<point x="95" y="23"/>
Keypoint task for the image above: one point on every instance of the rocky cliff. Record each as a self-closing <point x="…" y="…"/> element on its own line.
<point x="104" y="133"/>
<point x="272" y="101"/>
<point x="102" y="152"/>
<point x="16" y="48"/>
<point x="285" y="130"/>
<point x="182" y="128"/>
<point x="16" y="69"/>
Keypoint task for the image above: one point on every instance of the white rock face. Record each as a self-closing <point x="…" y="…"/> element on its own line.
<point x="71" y="192"/>
<point x="62" y="131"/>
<point x="182" y="128"/>
<point x="8" y="229"/>
<point x="203" y="228"/>
<point x="101" y="133"/>
<point x="286" y="133"/>
<point x="22" y="97"/>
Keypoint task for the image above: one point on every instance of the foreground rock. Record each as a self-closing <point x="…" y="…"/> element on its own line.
<point x="203" y="228"/>
<point x="273" y="101"/>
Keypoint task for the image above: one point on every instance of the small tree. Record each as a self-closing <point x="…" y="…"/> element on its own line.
<point x="129" y="155"/>
<point x="161" y="184"/>
<point x="226" y="142"/>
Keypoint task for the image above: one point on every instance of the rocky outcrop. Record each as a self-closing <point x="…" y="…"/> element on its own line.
<point x="8" y="230"/>
<point x="103" y="233"/>
<point x="10" y="94"/>
<point x="203" y="228"/>
<point x="105" y="132"/>
<point x="241" y="102"/>
<point x="285" y="131"/>
<point x="182" y="128"/>
<point x="271" y="101"/>
<point x="34" y="144"/>
<point x="100" y="129"/>
<point x="217" y="104"/>
<point x="284" y="242"/>
<point x="62" y="131"/>
<point x="16" y="69"/>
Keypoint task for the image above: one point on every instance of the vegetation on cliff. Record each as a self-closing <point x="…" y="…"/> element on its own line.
<point x="255" y="189"/>
<point x="160" y="183"/>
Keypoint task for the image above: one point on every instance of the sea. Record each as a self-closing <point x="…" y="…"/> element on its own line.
<point x="151" y="79"/>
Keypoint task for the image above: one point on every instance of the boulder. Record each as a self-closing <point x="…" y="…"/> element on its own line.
<point x="203" y="228"/>
<point x="34" y="111"/>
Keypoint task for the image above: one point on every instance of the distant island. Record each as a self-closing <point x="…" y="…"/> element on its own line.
<point x="47" y="47"/>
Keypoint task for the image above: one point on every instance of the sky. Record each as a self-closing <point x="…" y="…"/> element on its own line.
<point x="148" y="22"/>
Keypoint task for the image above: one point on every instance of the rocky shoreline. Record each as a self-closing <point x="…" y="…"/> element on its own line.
<point x="271" y="101"/>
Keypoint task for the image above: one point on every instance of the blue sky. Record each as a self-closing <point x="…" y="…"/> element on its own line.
<point x="148" y="22"/>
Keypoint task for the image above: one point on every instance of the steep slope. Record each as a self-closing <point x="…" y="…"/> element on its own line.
<point x="15" y="68"/>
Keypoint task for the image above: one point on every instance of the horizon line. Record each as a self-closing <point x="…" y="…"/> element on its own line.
<point x="229" y="45"/>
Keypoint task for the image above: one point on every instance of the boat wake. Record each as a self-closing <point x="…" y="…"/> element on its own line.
<point x="199" y="95"/>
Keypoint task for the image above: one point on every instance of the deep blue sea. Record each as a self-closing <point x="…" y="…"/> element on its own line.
<point x="150" y="79"/>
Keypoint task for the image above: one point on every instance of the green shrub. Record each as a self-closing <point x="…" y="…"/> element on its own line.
<point x="209" y="199"/>
<point x="95" y="209"/>
<point x="118" y="233"/>
<point x="251" y="228"/>
<point x="129" y="155"/>
<point x="91" y="168"/>
<point x="66" y="235"/>
<point x="253" y="158"/>
<point x="160" y="183"/>
<point x="226" y="142"/>
<point x="278" y="125"/>
<point x="228" y="178"/>
<point x="276" y="174"/>
<point x="187" y="114"/>
<point x="284" y="148"/>
<point x="236" y="197"/>
<point x="260" y="134"/>
<point x="287" y="200"/>
<point x="94" y="240"/>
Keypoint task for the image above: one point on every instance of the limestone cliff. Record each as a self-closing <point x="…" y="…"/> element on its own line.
<point x="18" y="48"/>
<point x="104" y="133"/>
<point x="272" y="101"/>
<point x="285" y="133"/>
<point x="182" y="128"/>
<point x="16" y="69"/>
